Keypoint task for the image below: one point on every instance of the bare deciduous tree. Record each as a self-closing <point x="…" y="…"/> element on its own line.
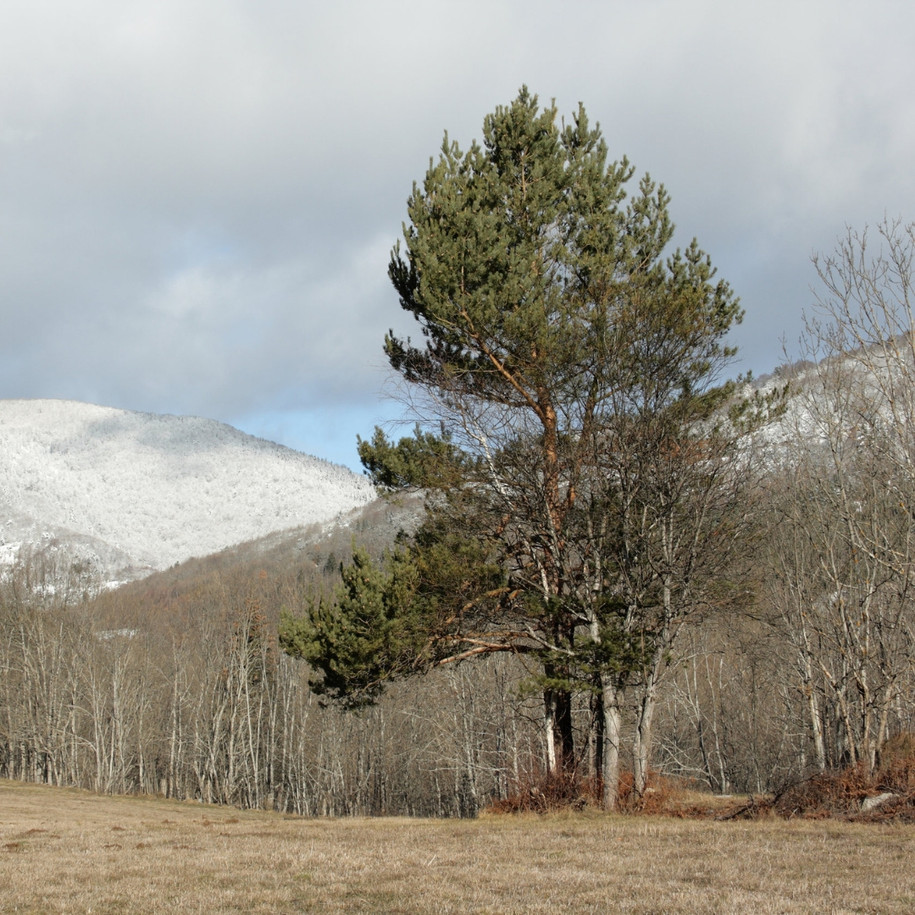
<point x="845" y="559"/>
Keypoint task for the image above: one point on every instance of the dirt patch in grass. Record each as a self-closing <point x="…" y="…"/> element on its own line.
<point x="70" y="851"/>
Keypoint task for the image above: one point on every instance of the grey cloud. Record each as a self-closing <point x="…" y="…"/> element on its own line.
<point x="199" y="197"/>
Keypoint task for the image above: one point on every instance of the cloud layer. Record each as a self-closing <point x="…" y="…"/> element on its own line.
<point x="199" y="198"/>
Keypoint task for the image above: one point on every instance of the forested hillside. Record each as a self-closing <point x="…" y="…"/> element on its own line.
<point x="128" y="493"/>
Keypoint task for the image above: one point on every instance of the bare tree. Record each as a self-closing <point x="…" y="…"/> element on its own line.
<point x="846" y="557"/>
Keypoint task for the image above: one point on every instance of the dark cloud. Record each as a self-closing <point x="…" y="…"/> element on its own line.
<point x="199" y="198"/>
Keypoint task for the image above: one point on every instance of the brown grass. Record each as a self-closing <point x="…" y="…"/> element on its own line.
<point x="70" y="851"/>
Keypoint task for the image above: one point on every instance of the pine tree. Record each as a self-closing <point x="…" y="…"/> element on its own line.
<point x="570" y="363"/>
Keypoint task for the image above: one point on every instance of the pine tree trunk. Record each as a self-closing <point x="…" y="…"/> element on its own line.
<point x="596" y="742"/>
<point x="560" y="739"/>
<point x="564" y="733"/>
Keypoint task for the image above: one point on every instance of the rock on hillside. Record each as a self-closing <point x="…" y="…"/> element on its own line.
<point x="133" y="492"/>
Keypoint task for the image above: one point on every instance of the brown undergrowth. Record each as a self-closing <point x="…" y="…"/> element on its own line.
<point x="663" y="796"/>
<point x="855" y="794"/>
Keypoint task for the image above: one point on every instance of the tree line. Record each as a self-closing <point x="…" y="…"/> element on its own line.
<point x="198" y="702"/>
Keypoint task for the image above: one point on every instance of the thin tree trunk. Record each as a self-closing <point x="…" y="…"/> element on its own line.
<point x="641" y="755"/>
<point x="613" y="721"/>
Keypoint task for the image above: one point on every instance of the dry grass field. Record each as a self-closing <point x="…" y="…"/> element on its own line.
<point x="70" y="851"/>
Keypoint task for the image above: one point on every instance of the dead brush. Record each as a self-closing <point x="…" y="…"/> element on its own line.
<point x="841" y="794"/>
<point x="827" y="794"/>
<point x="546" y="793"/>
<point x="896" y="764"/>
<point x="550" y="793"/>
<point x="895" y="774"/>
<point x="659" y="797"/>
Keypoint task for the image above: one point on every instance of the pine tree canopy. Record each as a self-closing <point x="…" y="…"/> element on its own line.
<point x="540" y="285"/>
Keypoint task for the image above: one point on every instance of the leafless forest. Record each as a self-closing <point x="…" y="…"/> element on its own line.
<point x="176" y="685"/>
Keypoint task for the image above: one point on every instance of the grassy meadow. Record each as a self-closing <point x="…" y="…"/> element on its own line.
<point x="71" y="851"/>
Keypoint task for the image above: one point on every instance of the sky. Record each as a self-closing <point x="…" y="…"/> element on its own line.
<point x="200" y="197"/>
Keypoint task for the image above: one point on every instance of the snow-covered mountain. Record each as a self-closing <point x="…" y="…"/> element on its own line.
<point x="134" y="492"/>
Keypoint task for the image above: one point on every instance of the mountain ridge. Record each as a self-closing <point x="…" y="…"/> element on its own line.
<point x="132" y="492"/>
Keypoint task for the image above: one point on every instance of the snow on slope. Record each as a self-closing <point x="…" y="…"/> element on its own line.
<point x="147" y="490"/>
